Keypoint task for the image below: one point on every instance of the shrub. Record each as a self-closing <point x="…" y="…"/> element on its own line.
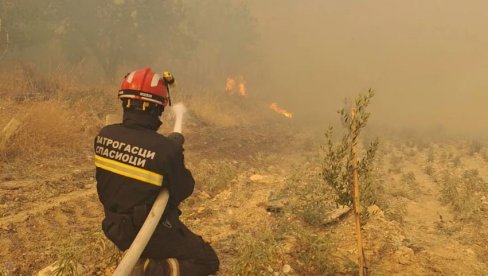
<point x="430" y="156"/>
<point x="397" y="210"/>
<point x="256" y="251"/>
<point x="396" y="163"/>
<point x="474" y="147"/>
<point x="463" y="193"/>
<point x="429" y="170"/>
<point x="67" y="264"/>
<point x="304" y="195"/>
<point x="214" y="176"/>
<point x="410" y="181"/>
<point x="313" y="253"/>
<point x="456" y="161"/>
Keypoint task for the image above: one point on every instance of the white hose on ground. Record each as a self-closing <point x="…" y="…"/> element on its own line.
<point x="134" y="252"/>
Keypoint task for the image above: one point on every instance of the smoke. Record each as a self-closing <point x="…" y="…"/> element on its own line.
<point x="179" y="110"/>
<point x="426" y="60"/>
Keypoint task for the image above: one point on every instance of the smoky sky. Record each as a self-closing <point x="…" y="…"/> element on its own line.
<point x="426" y="59"/>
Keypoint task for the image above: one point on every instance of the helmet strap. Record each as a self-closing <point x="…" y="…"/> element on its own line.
<point x="169" y="94"/>
<point x="148" y="107"/>
<point x="144" y="106"/>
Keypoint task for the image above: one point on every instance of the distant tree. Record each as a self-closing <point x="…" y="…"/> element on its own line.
<point x="114" y="32"/>
<point x="218" y="35"/>
<point x="24" y="22"/>
<point x="226" y="35"/>
<point x="122" y="31"/>
<point x="4" y="41"/>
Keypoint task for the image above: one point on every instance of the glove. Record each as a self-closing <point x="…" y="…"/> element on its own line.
<point x="177" y="138"/>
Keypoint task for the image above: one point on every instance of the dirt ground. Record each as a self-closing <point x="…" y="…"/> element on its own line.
<point x="53" y="212"/>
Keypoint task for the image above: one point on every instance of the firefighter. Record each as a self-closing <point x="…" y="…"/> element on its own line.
<point x="133" y="163"/>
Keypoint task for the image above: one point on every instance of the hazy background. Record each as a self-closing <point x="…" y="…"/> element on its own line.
<point x="426" y="59"/>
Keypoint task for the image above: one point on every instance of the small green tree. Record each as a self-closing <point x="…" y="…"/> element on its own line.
<point x="343" y="171"/>
<point x="337" y="164"/>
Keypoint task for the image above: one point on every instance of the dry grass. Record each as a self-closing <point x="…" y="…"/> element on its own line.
<point x="208" y="111"/>
<point x="214" y="176"/>
<point x="314" y="253"/>
<point x="257" y="252"/>
<point x="47" y="126"/>
<point x="218" y="109"/>
<point x="58" y="116"/>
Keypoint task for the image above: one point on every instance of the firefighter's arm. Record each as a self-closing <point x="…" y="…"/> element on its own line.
<point x="181" y="182"/>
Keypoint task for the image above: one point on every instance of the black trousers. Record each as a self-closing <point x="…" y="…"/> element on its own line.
<point x="172" y="239"/>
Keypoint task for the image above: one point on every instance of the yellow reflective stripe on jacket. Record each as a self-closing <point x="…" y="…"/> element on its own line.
<point x="128" y="170"/>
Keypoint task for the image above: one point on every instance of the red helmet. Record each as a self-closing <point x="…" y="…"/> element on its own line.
<point x="145" y="85"/>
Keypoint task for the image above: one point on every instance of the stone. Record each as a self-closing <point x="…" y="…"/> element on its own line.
<point x="256" y="177"/>
<point x="337" y="214"/>
<point x="9" y="130"/>
<point x="286" y="269"/>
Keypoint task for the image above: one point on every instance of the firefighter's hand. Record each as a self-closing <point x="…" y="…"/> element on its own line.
<point x="177" y="138"/>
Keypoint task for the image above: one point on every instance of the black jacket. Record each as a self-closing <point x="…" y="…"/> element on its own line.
<point x="133" y="162"/>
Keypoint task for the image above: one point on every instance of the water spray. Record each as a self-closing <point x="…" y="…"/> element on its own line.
<point x="179" y="110"/>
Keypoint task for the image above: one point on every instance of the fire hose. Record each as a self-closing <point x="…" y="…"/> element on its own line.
<point x="134" y="252"/>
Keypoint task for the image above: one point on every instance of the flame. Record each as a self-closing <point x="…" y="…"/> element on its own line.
<point x="242" y="89"/>
<point x="230" y="85"/>
<point x="280" y="110"/>
<point x="236" y="85"/>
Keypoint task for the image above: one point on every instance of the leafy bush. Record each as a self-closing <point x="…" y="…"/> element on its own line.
<point x="463" y="193"/>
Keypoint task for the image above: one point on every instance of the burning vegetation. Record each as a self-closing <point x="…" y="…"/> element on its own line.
<point x="275" y="107"/>
<point x="236" y="86"/>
